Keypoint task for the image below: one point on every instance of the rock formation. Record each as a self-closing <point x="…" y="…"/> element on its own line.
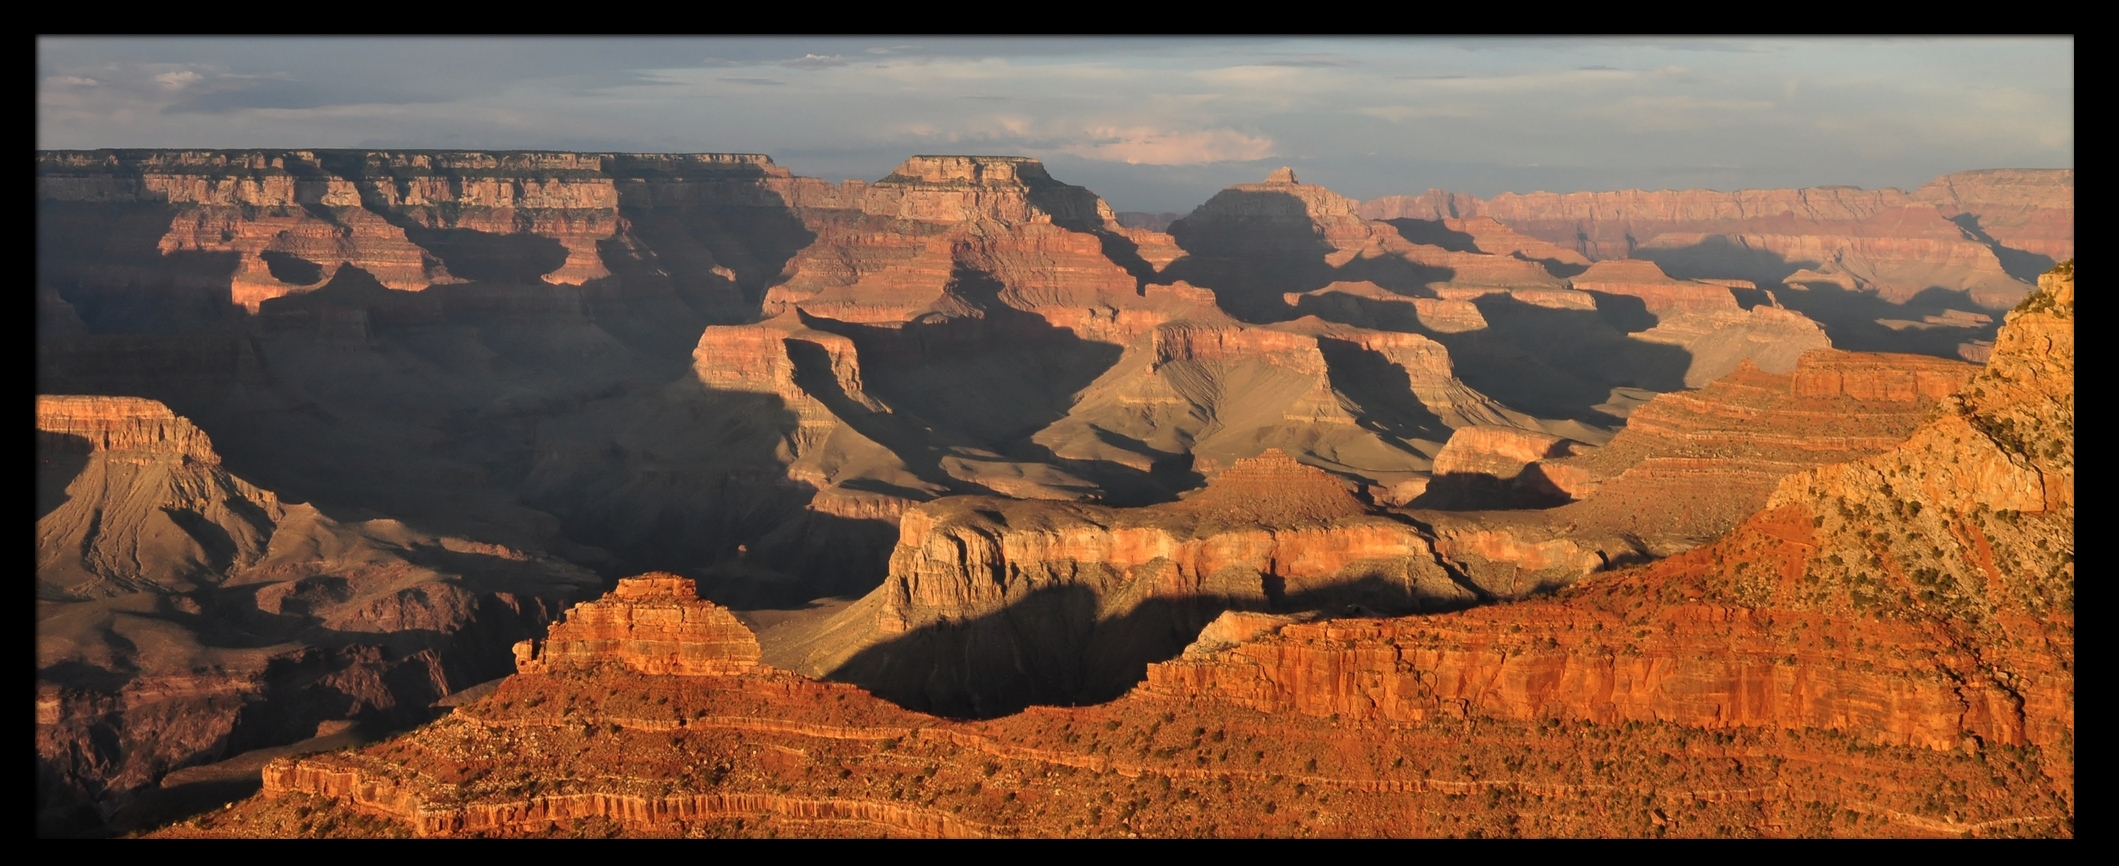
<point x="654" y="624"/>
<point x="185" y="615"/>
<point x="993" y="604"/>
<point x="132" y="498"/>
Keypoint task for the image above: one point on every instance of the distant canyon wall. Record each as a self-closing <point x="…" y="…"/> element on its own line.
<point x="1984" y="232"/>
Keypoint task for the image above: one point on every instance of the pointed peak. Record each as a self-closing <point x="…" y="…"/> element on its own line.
<point x="1284" y="175"/>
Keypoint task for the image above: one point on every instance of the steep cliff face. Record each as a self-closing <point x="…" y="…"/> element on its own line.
<point x="1690" y="465"/>
<point x="184" y="615"/>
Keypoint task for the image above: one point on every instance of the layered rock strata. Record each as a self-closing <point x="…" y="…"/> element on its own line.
<point x="654" y="624"/>
<point x="1689" y="465"/>
<point x="992" y="604"/>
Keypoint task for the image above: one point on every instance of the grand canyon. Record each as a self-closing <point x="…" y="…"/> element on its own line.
<point x="531" y="494"/>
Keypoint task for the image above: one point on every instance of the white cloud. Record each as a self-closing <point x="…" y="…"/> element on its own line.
<point x="1147" y="146"/>
<point x="1408" y="113"/>
<point x="178" y="80"/>
<point x="815" y="61"/>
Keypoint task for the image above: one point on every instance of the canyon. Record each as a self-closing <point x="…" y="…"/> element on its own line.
<point x="1828" y="668"/>
<point x="327" y="440"/>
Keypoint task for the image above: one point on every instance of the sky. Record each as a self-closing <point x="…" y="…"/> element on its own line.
<point x="1151" y="124"/>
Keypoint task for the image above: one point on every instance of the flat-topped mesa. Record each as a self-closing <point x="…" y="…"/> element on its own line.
<point x="1660" y="293"/>
<point x="1229" y="341"/>
<point x="1274" y="490"/>
<point x="655" y="624"/>
<point x="1009" y="189"/>
<point x="1278" y="203"/>
<point x="131" y="426"/>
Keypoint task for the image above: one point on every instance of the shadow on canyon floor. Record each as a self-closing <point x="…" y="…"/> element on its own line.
<point x="1562" y="363"/>
<point x="1854" y="320"/>
<point x="2021" y="264"/>
<point x="106" y="261"/>
<point x="1273" y="248"/>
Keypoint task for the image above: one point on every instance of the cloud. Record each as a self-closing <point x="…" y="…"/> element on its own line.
<point x="1673" y="113"/>
<point x="1146" y="146"/>
<point x="1306" y="63"/>
<point x="1408" y="113"/>
<point x="1397" y="115"/>
<point x="815" y="61"/>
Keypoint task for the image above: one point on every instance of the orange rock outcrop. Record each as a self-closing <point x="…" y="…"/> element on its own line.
<point x="1690" y="465"/>
<point x="120" y="425"/>
<point x="654" y="624"/>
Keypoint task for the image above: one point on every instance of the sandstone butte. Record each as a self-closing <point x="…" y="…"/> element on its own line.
<point x="1828" y="668"/>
